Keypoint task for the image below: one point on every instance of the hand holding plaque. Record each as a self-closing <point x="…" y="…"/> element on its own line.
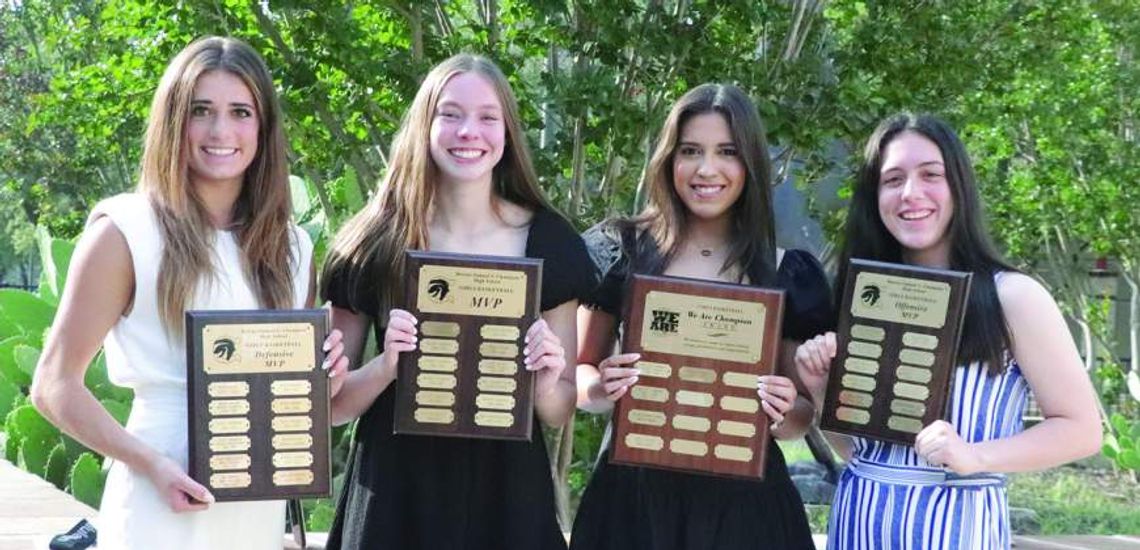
<point x="466" y="377"/>
<point x="703" y="346"/>
<point x="258" y="403"/>
<point x="897" y="343"/>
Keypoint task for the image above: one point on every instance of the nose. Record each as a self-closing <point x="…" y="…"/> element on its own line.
<point x="464" y="130"/>
<point x="707" y="167"/>
<point x="909" y="187"/>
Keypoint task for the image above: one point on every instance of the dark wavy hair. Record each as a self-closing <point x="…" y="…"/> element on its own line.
<point x="985" y="336"/>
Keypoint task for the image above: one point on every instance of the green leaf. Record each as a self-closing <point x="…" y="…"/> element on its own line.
<point x="86" y="480"/>
<point x="29" y="313"/>
<point x="8" y="368"/>
<point x="1129" y="459"/>
<point x="8" y="394"/>
<point x="55" y="257"/>
<point x="26" y="358"/>
<point x="11" y="447"/>
<point x="46" y="291"/>
<point x="57" y="466"/>
<point x="33" y="455"/>
<point x="354" y="199"/>
<point x="299" y="192"/>
<point x="118" y="409"/>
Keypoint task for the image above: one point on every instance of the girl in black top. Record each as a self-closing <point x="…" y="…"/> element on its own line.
<point x="709" y="216"/>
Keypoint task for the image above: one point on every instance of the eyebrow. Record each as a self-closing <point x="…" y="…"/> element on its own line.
<point x="921" y="165"/>
<point x="722" y="144"/>
<point x="450" y="103"/>
<point x="210" y="102"/>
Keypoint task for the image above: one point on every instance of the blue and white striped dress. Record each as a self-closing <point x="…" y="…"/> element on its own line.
<point x="889" y="498"/>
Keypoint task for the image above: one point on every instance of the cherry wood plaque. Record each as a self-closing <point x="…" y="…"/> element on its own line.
<point x="898" y="334"/>
<point x="703" y="346"/>
<point x="258" y="403"/>
<point x="466" y="377"/>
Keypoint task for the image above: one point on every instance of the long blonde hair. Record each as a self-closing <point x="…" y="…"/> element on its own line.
<point x="368" y="252"/>
<point x="263" y="208"/>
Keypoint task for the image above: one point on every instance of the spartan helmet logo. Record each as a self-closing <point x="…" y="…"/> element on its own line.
<point x="438" y="289"/>
<point x="870" y="295"/>
<point x="224" y="349"/>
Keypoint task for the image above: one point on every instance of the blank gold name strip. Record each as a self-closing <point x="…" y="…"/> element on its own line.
<point x="228" y="389"/>
<point x="646" y="418"/>
<point x="425" y="415"/>
<point x="439" y="329"/>
<point x="698" y="375"/>
<point x="438" y="363"/>
<point x="740" y="380"/>
<point x="654" y="370"/>
<point x="439" y="346"/>
<point x="228" y="407"/>
<point x="499" y="332"/>
<point x="499" y="349"/>
<point x="291" y="387"/>
<point x="497" y="367"/>
<point x="494" y="419"/>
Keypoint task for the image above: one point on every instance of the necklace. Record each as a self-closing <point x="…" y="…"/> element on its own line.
<point x="706" y="252"/>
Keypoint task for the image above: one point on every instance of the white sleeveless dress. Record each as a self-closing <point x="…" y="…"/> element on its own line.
<point x="142" y="357"/>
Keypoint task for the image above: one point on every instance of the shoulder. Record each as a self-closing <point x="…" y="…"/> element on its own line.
<point x="1022" y="296"/>
<point x="119" y="207"/>
<point x="795" y="260"/>
<point x="552" y="236"/>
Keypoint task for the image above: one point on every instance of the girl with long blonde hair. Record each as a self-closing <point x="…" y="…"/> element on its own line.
<point x="208" y="228"/>
<point x="460" y="180"/>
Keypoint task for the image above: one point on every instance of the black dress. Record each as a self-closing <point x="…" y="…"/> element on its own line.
<point x="632" y="508"/>
<point x="411" y="492"/>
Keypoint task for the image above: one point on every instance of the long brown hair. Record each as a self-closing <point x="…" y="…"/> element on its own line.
<point x="367" y="253"/>
<point x="665" y="220"/>
<point x="263" y="208"/>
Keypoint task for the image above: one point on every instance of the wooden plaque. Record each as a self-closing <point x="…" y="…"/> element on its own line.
<point x="466" y="377"/>
<point x="703" y="346"/>
<point x="897" y="338"/>
<point x="258" y="403"/>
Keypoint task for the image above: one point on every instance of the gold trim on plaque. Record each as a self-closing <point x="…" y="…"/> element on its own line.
<point x="740" y="379"/>
<point x="499" y="332"/>
<point x="654" y="370"/>
<point x="916" y="357"/>
<point x="291" y="387"/>
<point x="228" y="407"/>
<point x="492" y="383"/>
<point x="296" y="459"/>
<point x="230" y="462"/>
<point x="693" y="398"/>
<point x="644" y="442"/>
<point x="435" y="398"/>
<point x="439" y="329"/>
<point x="738" y="429"/>
<point x="646" y="418"/>
<point x="899" y="299"/>
<point x="439" y="346"/>
<point x="864" y="349"/>
<point x="904" y="424"/>
<point x="864" y="366"/>
<point x="867" y="332"/>
<point x="856" y="399"/>
<point x="438" y="363"/>
<point x="426" y="415"/>
<point x="292" y="441"/>
<point x="498" y="367"/>
<point x="284" y="478"/>
<point x="688" y="447"/>
<point x="700" y="326"/>
<point x="291" y="405"/>
<point x="911" y="391"/>
<point x="908" y="408"/>
<point x="914" y="374"/>
<point x="691" y="423"/>
<point x="494" y="419"/>
<point x="436" y="381"/>
<point x="231" y="480"/>
<point x="739" y="404"/>
<point x="494" y="401"/>
<point x="237" y="425"/>
<point x="919" y="340"/>
<point x="698" y="375"/>
<point x="472" y="291"/>
<point x="732" y="452"/>
<point x="506" y="350"/>
<point x="292" y="423"/>
<point x="856" y="382"/>
<point x="258" y="348"/>
<point x="854" y="416"/>
<point x="228" y="389"/>
<point x="229" y="443"/>
<point x="649" y="393"/>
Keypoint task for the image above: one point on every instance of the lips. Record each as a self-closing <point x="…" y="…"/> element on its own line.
<point x="915" y="215"/>
<point x="706" y="190"/>
<point x="466" y="154"/>
<point x="220" y="151"/>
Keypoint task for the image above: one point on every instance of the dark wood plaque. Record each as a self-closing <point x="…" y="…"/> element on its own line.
<point x="466" y="377"/>
<point x="703" y="346"/>
<point x="897" y="339"/>
<point x="258" y="403"/>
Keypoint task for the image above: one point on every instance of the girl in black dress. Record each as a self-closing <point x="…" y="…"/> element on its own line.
<point x="709" y="216"/>
<point x="460" y="180"/>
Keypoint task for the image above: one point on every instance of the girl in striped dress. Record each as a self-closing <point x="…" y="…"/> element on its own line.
<point x="916" y="202"/>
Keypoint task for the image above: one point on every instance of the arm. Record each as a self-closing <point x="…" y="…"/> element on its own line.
<point x="1044" y="349"/>
<point x="602" y="379"/>
<point x="99" y="290"/>
<point x="555" y="384"/>
<point x="797" y="420"/>
<point x="812" y="363"/>
<point x="360" y="387"/>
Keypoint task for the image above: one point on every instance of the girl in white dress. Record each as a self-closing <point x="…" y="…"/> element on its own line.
<point x="208" y="228"/>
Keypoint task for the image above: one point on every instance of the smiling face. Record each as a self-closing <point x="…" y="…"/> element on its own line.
<point x="467" y="130"/>
<point x="915" y="201"/>
<point x="708" y="174"/>
<point x="222" y="129"/>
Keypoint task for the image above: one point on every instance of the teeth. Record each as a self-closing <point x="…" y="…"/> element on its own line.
<point x="707" y="190"/>
<point x="467" y="153"/>
<point x="218" y="151"/>
<point x="915" y="215"/>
